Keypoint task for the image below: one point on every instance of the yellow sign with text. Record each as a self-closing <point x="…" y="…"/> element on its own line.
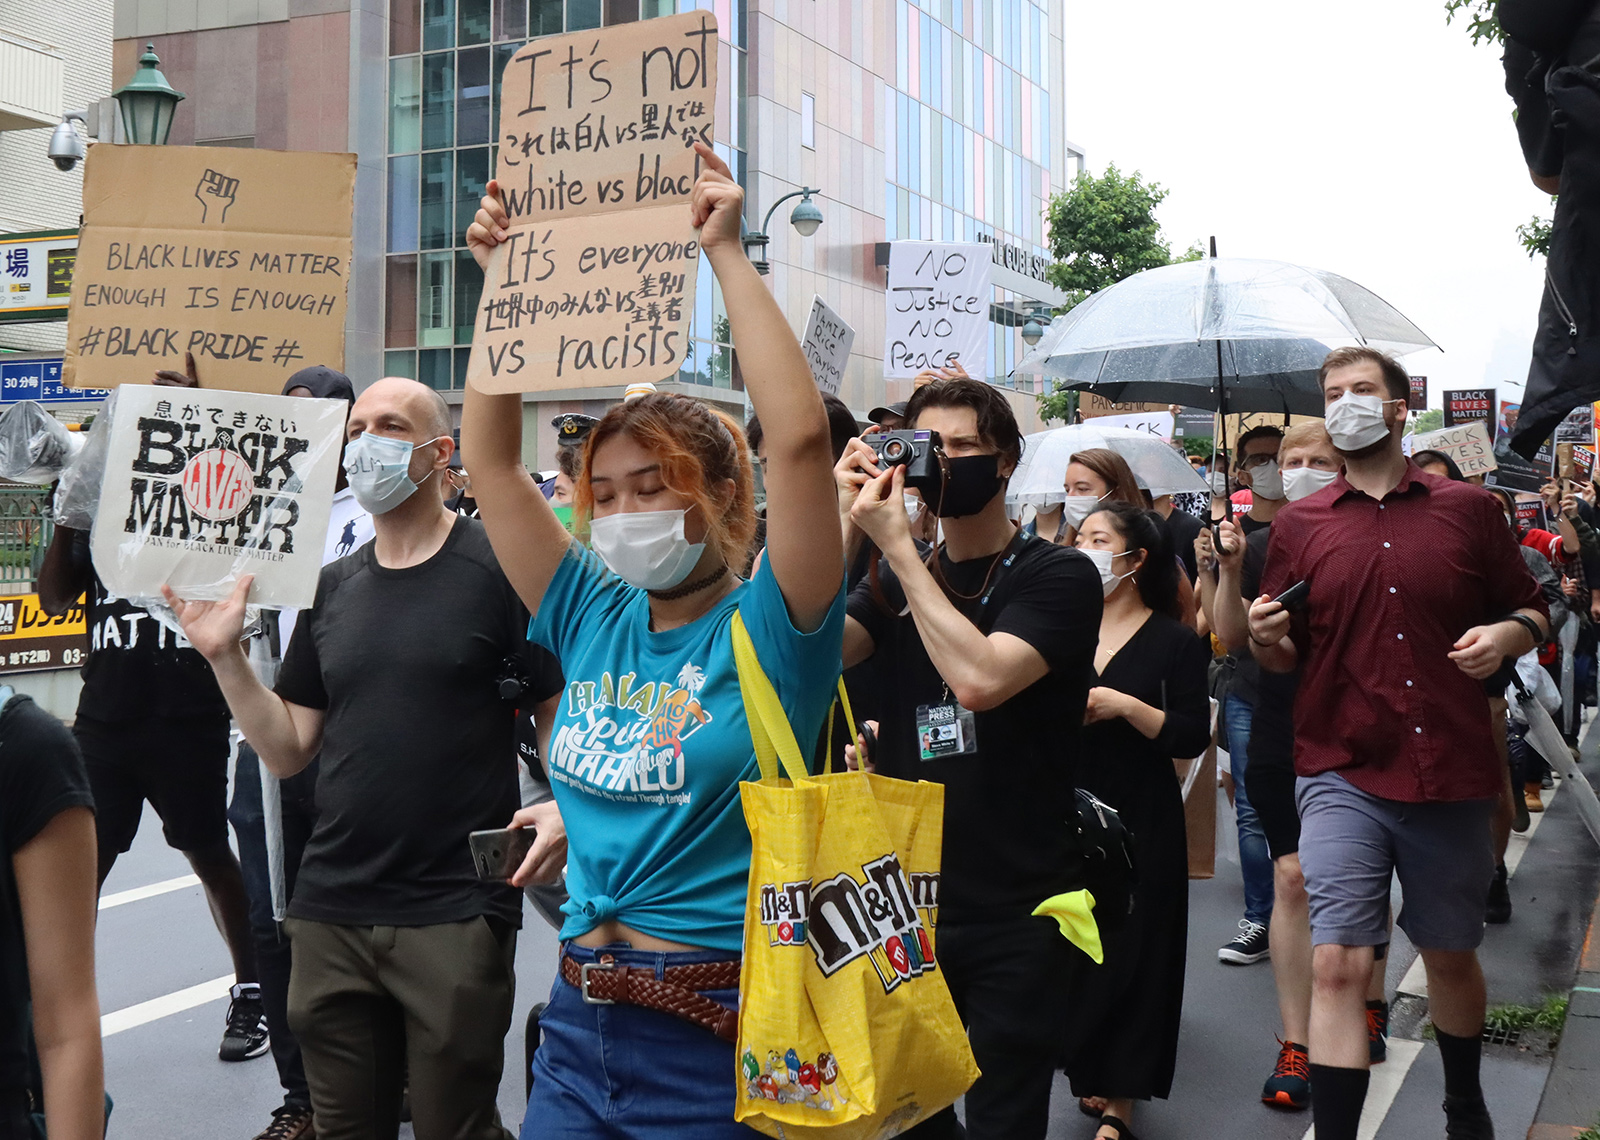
<point x="31" y="640"/>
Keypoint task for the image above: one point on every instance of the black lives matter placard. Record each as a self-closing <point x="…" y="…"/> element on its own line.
<point x="202" y="487"/>
<point x="595" y="284"/>
<point x="239" y="256"/>
<point x="1468" y="405"/>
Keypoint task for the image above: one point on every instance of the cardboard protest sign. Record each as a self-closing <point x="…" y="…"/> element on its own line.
<point x="1092" y="405"/>
<point x="202" y="487"/>
<point x="1470" y="404"/>
<point x="239" y="256"/>
<point x="827" y="345"/>
<point x="1467" y="444"/>
<point x="1578" y="427"/>
<point x="597" y="125"/>
<point x="937" y="307"/>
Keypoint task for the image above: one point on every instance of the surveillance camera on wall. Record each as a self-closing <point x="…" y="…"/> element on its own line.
<point x="66" y="146"/>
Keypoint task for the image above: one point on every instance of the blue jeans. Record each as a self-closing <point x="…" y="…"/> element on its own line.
<point x="1254" y="860"/>
<point x="622" y="1072"/>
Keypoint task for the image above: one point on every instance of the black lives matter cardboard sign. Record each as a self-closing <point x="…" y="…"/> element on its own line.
<point x="594" y="286"/>
<point x="239" y="256"/>
<point x="202" y="487"/>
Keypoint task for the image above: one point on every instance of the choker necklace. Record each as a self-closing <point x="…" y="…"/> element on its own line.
<point x="688" y="588"/>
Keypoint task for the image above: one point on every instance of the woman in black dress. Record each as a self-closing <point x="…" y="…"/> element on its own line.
<point x="1149" y="707"/>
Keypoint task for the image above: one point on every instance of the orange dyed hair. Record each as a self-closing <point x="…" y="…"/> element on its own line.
<point x="698" y="448"/>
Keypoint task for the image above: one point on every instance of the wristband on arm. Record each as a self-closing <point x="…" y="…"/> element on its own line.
<point x="1528" y="624"/>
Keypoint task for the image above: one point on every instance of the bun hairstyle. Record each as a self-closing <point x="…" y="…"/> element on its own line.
<point x="1145" y="530"/>
<point x="699" y="450"/>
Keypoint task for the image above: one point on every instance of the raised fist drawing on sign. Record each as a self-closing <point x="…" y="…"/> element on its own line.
<point x="216" y="192"/>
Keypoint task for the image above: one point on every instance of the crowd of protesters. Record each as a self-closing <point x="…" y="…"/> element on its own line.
<point x="1358" y="627"/>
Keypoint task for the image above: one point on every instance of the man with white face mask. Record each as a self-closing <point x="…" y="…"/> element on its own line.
<point x="1415" y="593"/>
<point x="397" y="943"/>
<point x="1259" y="473"/>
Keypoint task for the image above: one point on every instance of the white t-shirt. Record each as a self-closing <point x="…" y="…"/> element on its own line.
<point x="349" y="529"/>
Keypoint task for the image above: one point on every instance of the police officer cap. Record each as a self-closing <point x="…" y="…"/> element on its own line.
<point x="572" y="428"/>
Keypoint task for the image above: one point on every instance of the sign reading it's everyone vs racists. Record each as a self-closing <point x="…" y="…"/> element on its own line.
<point x="595" y="283"/>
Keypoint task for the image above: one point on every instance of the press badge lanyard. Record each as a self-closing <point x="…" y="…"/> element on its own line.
<point x="947" y="729"/>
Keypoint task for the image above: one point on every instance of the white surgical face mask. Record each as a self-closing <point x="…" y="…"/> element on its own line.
<point x="1303" y="481"/>
<point x="1102" y="560"/>
<point x="646" y="549"/>
<point x="913" y="508"/>
<point x="1076" y="508"/>
<point x="1267" y="480"/>
<point x="1356" y="421"/>
<point x="1219" y="483"/>
<point x="379" y="470"/>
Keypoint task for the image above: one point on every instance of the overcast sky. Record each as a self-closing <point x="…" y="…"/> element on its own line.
<point x="1366" y="138"/>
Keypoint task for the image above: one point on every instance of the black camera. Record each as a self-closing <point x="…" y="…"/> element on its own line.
<point x="919" y="452"/>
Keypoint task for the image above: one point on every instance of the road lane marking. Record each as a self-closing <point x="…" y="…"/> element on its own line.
<point x="164" y="1006"/>
<point x="1383" y="1088"/>
<point x="136" y="894"/>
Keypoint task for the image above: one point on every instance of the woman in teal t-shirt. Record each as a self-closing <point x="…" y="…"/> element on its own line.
<point x="651" y="742"/>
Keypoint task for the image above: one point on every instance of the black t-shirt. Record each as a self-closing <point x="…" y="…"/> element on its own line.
<point x="1272" y="723"/>
<point x="1184" y="528"/>
<point x="1006" y="808"/>
<point x="417" y="745"/>
<point x="1249" y="525"/>
<point x="137" y="668"/>
<point x="41" y="776"/>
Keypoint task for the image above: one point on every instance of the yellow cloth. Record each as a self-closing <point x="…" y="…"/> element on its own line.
<point x="1073" y="912"/>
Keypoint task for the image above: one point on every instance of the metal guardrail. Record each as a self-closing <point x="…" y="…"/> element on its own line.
<point x="25" y="533"/>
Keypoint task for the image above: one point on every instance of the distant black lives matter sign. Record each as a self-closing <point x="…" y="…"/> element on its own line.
<point x="239" y="256"/>
<point x="1468" y="405"/>
<point x="594" y="285"/>
<point x="202" y="487"/>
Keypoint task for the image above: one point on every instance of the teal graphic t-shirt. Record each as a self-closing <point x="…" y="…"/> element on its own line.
<point x="651" y="742"/>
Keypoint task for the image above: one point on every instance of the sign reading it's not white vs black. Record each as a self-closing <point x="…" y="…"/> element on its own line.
<point x="203" y="487"/>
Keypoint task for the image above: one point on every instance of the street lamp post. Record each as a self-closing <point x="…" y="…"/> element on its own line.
<point x="1034" y="330"/>
<point x="148" y="102"/>
<point x="805" y="218"/>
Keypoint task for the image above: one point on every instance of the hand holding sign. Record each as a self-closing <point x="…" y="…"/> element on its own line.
<point x="214" y="628"/>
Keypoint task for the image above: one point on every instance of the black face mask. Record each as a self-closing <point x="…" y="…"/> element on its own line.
<point x="973" y="481"/>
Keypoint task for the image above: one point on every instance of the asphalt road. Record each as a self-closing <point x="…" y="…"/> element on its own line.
<point x="163" y="973"/>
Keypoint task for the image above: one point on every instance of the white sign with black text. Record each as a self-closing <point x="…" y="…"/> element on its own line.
<point x="204" y="486"/>
<point x="827" y="345"/>
<point x="937" y="308"/>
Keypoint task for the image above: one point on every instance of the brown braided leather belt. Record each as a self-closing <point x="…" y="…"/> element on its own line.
<point x="677" y="991"/>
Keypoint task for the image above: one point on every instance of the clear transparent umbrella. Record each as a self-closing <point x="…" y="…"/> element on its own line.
<point x="1040" y="480"/>
<point x="1229" y="333"/>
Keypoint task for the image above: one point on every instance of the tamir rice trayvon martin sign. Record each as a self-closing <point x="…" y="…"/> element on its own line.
<point x="203" y="487"/>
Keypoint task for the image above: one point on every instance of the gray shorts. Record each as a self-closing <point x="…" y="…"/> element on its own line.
<point x="1351" y="843"/>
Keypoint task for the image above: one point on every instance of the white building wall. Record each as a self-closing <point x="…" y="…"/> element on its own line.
<point x="34" y="195"/>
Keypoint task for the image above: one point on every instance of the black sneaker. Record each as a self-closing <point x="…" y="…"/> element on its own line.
<point x="1467" y="1118"/>
<point x="291" y="1122"/>
<point x="1249" y="947"/>
<point x="1498" y="908"/>
<point x="246" y="1033"/>
<point x="1377" y="1032"/>
<point x="1290" y="1084"/>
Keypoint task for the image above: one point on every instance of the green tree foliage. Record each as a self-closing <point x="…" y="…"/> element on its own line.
<point x="1535" y="236"/>
<point x="1430" y="420"/>
<point x="1480" y="19"/>
<point x="1102" y="230"/>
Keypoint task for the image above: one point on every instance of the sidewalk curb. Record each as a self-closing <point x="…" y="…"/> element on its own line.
<point x="1571" y="1098"/>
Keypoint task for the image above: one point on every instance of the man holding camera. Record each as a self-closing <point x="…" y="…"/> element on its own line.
<point x="397" y="943"/>
<point x="1416" y="593"/>
<point x="986" y="655"/>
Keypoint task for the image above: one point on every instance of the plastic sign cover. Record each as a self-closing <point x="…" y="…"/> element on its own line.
<point x="203" y="487"/>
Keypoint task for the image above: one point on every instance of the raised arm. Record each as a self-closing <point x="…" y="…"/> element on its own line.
<point x="528" y="540"/>
<point x="286" y="736"/>
<point x="63" y="576"/>
<point x="804" y="544"/>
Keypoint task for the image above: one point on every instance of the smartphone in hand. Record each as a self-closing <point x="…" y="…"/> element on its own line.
<point x="1293" y="600"/>
<point x="498" y="853"/>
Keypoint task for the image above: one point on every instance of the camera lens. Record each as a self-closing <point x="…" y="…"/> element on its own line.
<point x="893" y="451"/>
